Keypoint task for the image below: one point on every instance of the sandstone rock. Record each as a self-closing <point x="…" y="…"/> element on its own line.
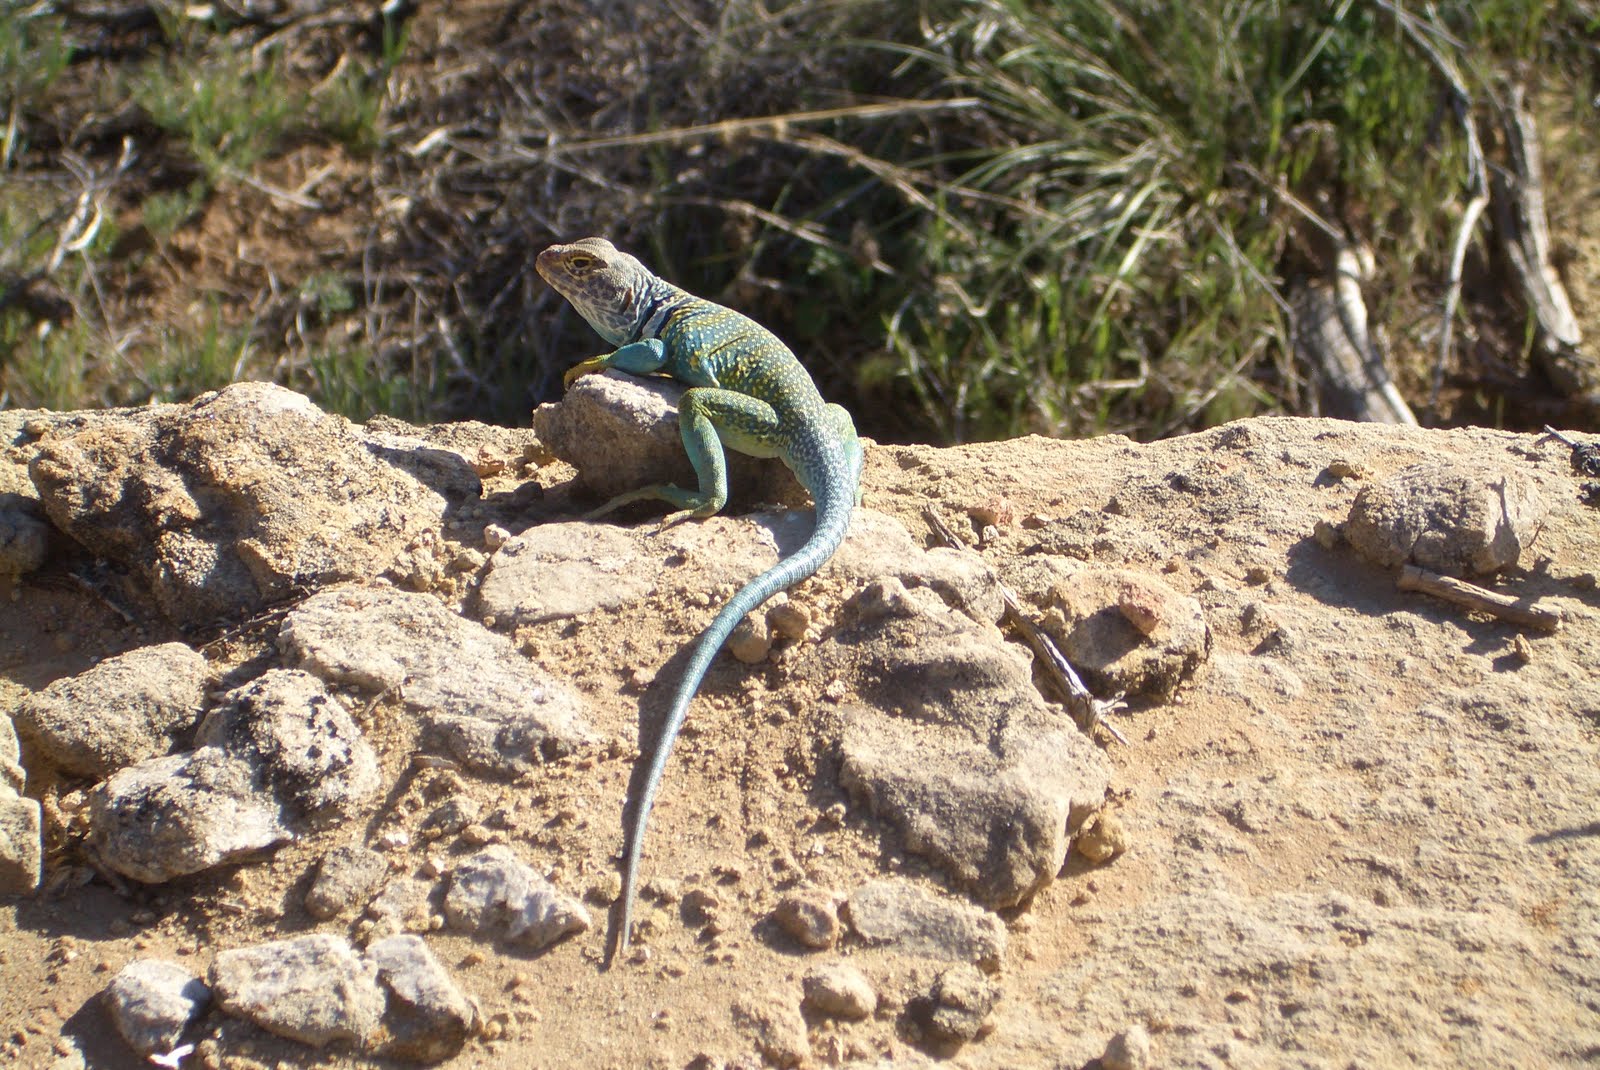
<point x="346" y="880"/>
<point x="477" y="697"/>
<point x="225" y="505"/>
<point x="24" y="535"/>
<point x="428" y="1018"/>
<point x="1128" y="632"/>
<point x="1128" y="1050"/>
<point x="497" y="896"/>
<point x="559" y="570"/>
<point x="306" y="746"/>
<point x="169" y="817"/>
<point x="152" y="1002"/>
<point x="896" y="913"/>
<point x="838" y="990"/>
<point x="775" y="1025"/>
<point x="957" y="749"/>
<point x="314" y="989"/>
<point x="810" y="918"/>
<point x="12" y="775"/>
<point x="958" y="1006"/>
<point x="21" y="843"/>
<point x="1457" y="517"/>
<point x="121" y="711"/>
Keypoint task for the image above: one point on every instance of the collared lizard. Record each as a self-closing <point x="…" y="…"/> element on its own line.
<point x="747" y="392"/>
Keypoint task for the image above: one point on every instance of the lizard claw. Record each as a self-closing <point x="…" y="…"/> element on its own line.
<point x="584" y="367"/>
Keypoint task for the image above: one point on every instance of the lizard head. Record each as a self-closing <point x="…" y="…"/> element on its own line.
<point x="608" y="287"/>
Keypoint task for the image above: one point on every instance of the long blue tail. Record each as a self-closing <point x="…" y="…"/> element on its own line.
<point x="833" y="521"/>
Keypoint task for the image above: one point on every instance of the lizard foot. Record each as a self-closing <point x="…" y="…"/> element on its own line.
<point x="585" y="367"/>
<point x="690" y="503"/>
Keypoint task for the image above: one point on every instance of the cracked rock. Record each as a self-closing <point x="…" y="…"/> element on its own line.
<point x="304" y="742"/>
<point x="314" y="989"/>
<point x="429" y="1018"/>
<point x="477" y="698"/>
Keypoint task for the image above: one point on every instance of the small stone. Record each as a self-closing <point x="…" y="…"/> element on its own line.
<point x="1521" y="649"/>
<point x="1102" y="838"/>
<point x="448" y="819"/>
<point x="789" y="620"/>
<point x="495" y="536"/>
<point x="1128" y="1050"/>
<point x="897" y="913"/>
<point x="959" y="1005"/>
<point x="777" y="1028"/>
<point x="809" y="918"/>
<point x="152" y="1002"/>
<point x="1340" y="468"/>
<point x="1327" y="534"/>
<point x="701" y="905"/>
<point x="496" y="895"/>
<point x="345" y="882"/>
<point x="839" y="990"/>
<point x="751" y="641"/>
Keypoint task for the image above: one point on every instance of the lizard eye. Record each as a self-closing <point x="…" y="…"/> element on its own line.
<point x="580" y="262"/>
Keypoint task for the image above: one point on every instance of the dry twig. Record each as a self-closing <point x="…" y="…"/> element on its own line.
<point x="1087" y="710"/>
<point x="1479" y="599"/>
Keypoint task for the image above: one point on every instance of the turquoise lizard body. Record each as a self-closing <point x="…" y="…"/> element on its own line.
<point x="747" y="392"/>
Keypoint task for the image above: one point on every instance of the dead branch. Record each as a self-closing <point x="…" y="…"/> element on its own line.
<point x="1525" y="236"/>
<point x="1515" y="610"/>
<point x="1331" y="335"/>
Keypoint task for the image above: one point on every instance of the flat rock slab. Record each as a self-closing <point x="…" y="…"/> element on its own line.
<point x="121" y="711"/>
<point x="476" y="696"/>
<point x="227" y="504"/>
<point x="560" y="570"/>
<point x="314" y="989"/>
<point x="1455" y="517"/>
<point x="169" y="817"/>
<point x="304" y="742"/>
<point x="899" y="914"/>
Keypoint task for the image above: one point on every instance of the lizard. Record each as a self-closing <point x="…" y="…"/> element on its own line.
<point x="748" y="392"/>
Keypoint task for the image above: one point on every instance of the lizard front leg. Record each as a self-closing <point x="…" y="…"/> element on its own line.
<point x="710" y="419"/>
<point x="640" y="358"/>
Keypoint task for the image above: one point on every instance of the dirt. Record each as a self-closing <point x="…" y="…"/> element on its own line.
<point x="1343" y="740"/>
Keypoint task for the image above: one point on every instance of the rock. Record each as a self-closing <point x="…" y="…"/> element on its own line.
<point x="1128" y="632"/>
<point x="839" y="991"/>
<point x="448" y="819"/>
<point x="958" y="1007"/>
<point x="497" y="896"/>
<point x="478" y="699"/>
<point x="775" y="1025"/>
<point x="12" y="775"/>
<point x="346" y="880"/>
<point x="956" y="748"/>
<point x="301" y="739"/>
<point x="227" y="504"/>
<point x="152" y="1002"/>
<point x="169" y="817"/>
<point x="314" y="989"/>
<point x="403" y="905"/>
<point x="24" y="536"/>
<point x="789" y="619"/>
<point x="121" y="711"/>
<point x="621" y="432"/>
<point x="809" y="918"/>
<point x="560" y="570"/>
<point x="1102" y="838"/>
<point x="751" y="642"/>
<point x="1128" y="1050"/>
<point x="1457" y="517"/>
<point x="428" y="1018"/>
<point x="897" y="913"/>
<point x="21" y="843"/>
